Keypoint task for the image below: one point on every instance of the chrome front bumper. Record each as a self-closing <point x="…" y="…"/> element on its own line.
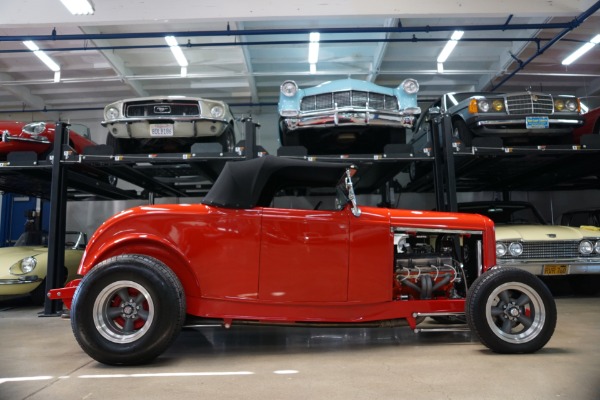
<point x="545" y="267"/>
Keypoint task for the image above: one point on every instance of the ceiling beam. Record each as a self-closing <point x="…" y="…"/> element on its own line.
<point x="22" y="93"/>
<point x="116" y="63"/>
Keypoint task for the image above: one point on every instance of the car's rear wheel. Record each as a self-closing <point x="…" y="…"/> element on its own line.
<point x="127" y="310"/>
<point x="511" y="311"/>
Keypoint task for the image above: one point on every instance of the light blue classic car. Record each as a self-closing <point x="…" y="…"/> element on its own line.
<point x="346" y="116"/>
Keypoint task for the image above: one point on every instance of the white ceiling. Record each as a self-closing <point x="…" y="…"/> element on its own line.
<point x="225" y="65"/>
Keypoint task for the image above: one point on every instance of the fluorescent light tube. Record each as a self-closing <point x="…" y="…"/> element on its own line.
<point x="581" y="51"/>
<point x="450" y="45"/>
<point x="176" y="50"/>
<point x="79" y="7"/>
<point x="313" y="47"/>
<point x="42" y="56"/>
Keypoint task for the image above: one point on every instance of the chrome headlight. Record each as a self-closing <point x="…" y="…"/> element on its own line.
<point x="597" y="247"/>
<point x="217" y="111"/>
<point x="515" y="249"/>
<point x="586" y="247"/>
<point x="571" y="105"/>
<point x="483" y="105"/>
<point x="35" y="128"/>
<point x="289" y="88"/>
<point x="111" y="113"/>
<point x="498" y="105"/>
<point x="500" y="249"/>
<point x="410" y="86"/>
<point x="23" y="266"/>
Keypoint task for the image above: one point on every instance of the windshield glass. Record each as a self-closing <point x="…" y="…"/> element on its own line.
<point x="506" y="214"/>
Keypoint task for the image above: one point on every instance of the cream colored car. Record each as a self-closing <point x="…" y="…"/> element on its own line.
<point x="525" y="241"/>
<point x="168" y="124"/>
<point x="24" y="266"/>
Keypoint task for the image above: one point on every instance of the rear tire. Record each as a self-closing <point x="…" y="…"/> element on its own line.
<point x="511" y="311"/>
<point x="127" y="310"/>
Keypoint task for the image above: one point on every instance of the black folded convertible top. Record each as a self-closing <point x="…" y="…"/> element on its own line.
<point x="252" y="183"/>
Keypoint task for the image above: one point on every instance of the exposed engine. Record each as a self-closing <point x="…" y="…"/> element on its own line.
<point x="428" y="265"/>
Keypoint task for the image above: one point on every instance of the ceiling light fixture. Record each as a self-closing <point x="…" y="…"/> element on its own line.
<point x="45" y="59"/>
<point x="79" y="7"/>
<point x="581" y="51"/>
<point x="176" y="50"/>
<point x="450" y="45"/>
<point x="313" y="47"/>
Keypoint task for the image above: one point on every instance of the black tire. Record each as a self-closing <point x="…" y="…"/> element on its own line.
<point x="462" y="132"/>
<point x="38" y="295"/>
<point x="117" y="144"/>
<point x="511" y="311"/>
<point x="286" y="137"/>
<point x="227" y="140"/>
<point x="127" y="310"/>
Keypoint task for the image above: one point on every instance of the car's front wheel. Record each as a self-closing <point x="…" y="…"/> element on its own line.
<point x="127" y="310"/>
<point x="511" y="311"/>
<point x="462" y="132"/>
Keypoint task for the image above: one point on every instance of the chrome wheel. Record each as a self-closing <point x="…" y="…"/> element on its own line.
<point x="515" y="312"/>
<point x="123" y="312"/>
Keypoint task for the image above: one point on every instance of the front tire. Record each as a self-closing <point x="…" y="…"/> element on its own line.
<point x="511" y="311"/>
<point x="462" y="132"/>
<point x="127" y="310"/>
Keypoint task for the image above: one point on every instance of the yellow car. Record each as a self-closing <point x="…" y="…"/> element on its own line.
<point x="23" y="267"/>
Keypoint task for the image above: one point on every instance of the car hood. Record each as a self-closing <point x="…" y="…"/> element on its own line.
<point x="543" y="232"/>
<point x="10" y="255"/>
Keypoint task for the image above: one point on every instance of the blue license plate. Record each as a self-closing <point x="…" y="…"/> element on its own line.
<point x="536" y="122"/>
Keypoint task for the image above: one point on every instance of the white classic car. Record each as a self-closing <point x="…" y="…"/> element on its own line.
<point x="168" y="124"/>
<point x="525" y="241"/>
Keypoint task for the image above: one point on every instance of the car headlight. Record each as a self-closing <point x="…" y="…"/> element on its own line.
<point x="586" y="247"/>
<point x="515" y="249"/>
<point x="571" y="104"/>
<point x="217" y="111"/>
<point x="483" y="105"/>
<point x="111" y="113"/>
<point x="35" y="128"/>
<point x="500" y="249"/>
<point x="23" y="266"/>
<point x="410" y="86"/>
<point x="559" y="104"/>
<point x="289" y="88"/>
<point x="597" y="247"/>
<point x="498" y="105"/>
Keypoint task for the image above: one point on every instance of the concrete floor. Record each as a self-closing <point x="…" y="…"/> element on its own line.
<point x="40" y="359"/>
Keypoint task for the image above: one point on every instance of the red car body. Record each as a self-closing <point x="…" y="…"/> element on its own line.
<point x="590" y="126"/>
<point x="238" y="259"/>
<point x="37" y="137"/>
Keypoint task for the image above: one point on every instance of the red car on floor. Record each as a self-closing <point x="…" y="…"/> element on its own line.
<point x="39" y="137"/>
<point x="253" y="252"/>
<point x="591" y="124"/>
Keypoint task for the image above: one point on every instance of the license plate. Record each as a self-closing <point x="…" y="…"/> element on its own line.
<point x="536" y="122"/>
<point x="158" y="130"/>
<point x="555" y="269"/>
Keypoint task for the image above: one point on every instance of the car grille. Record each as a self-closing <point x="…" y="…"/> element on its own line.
<point x="162" y="109"/>
<point x="549" y="250"/>
<point x="529" y="104"/>
<point x="349" y="98"/>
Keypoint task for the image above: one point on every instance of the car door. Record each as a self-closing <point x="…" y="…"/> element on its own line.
<point x="304" y="255"/>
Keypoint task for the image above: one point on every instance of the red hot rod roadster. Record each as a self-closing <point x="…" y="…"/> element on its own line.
<point x="244" y="256"/>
